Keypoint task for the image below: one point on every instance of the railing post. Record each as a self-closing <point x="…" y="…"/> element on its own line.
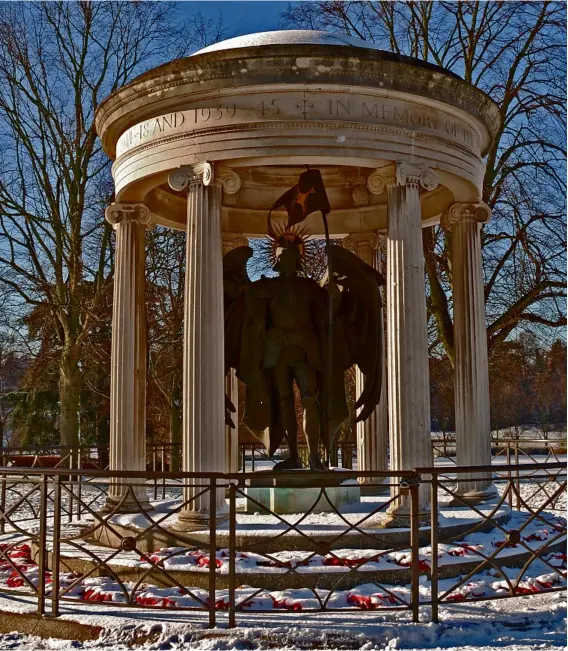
<point x="42" y="546"/>
<point x="510" y="475"/>
<point x="232" y="552"/>
<point x="79" y="484"/>
<point x="434" y="547"/>
<point x="70" y="478"/>
<point x="154" y="470"/>
<point x="56" y="550"/>
<point x="3" y="498"/>
<point x="414" y="549"/>
<point x="163" y="462"/>
<point x="212" y="549"/>
<point x="517" y="475"/>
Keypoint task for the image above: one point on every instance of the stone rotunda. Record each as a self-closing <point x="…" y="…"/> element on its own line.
<point x="207" y="143"/>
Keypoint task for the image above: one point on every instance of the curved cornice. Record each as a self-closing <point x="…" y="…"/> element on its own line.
<point x="325" y="66"/>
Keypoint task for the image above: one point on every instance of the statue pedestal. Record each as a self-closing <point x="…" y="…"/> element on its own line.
<point x="299" y="492"/>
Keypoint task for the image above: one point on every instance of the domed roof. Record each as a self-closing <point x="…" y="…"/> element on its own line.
<point x="287" y="37"/>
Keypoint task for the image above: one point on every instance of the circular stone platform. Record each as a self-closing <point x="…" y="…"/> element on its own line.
<point x="358" y="527"/>
<point x="315" y="569"/>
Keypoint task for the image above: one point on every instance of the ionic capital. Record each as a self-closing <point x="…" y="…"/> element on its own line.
<point x="199" y="173"/>
<point x="462" y="212"/>
<point x="135" y="212"/>
<point x="356" y="242"/>
<point x="232" y="241"/>
<point x="379" y="180"/>
<point x="229" y="179"/>
<point x="416" y="175"/>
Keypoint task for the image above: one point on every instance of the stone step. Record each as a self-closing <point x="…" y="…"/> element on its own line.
<point x="280" y="536"/>
<point x="321" y="577"/>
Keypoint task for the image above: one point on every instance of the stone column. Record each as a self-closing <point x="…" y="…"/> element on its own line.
<point x="128" y="357"/>
<point x="408" y="371"/>
<point x="203" y="429"/>
<point x="372" y="434"/>
<point x="232" y="241"/>
<point x="473" y="427"/>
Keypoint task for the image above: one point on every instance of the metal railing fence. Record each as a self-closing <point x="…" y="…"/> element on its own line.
<point x="253" y="456"/>
<point x="57" y="552"/>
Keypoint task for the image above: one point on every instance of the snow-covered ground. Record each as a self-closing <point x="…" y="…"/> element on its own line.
<point x="525" y="455"/>
<point x="521" y="624"/>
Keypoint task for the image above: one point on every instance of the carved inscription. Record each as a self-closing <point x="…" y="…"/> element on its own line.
<point x="303" y="106"/>
<point x="145" y="130"/>
<point x="213" y="113"/>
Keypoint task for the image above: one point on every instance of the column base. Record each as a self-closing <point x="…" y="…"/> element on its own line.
<point x="399" y="518"/>
<point x="198" y="520"/>
<point x="465" y="497"/>
<point x="129" y="504"/>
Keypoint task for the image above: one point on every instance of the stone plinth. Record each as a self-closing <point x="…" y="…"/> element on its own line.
<point x="299" y="491"/>
<point x="290" y="500"/>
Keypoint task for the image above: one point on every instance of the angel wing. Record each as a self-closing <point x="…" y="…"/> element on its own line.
<point x="235" y="280"/>
<point x="361" y="315"/>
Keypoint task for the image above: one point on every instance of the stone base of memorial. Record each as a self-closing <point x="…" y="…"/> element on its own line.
<point x="473" y="497"/>
<point x="281" y="495"/>
<point x="373" y="490"/>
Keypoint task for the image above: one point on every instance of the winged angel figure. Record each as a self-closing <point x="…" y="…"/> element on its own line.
<point x="277" y="332"/>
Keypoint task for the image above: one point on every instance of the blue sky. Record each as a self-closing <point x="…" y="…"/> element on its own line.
<point x="240" y="17"/>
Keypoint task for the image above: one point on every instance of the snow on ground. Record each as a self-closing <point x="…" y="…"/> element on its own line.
<point x="522" y="624"/>
<point x="366" y="514"/>
<point x="469" y="548"/>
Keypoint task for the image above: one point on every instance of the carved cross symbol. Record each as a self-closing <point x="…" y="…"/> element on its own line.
<point x="304" y="106"/>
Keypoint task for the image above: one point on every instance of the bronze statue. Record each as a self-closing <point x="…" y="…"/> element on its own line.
<point x="277" y="333"/>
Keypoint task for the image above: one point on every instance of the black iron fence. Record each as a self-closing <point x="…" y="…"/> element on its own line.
<point x="60" y="545"/>
<point x="253" y="456"/>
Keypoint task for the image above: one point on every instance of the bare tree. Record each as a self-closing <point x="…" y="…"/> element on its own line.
<point x="205" y="30"/>
<point x="12" y="368"/>
<point x="58" y="60"/>
<point x="515" y="52"/>
<point x="165" y="295"/>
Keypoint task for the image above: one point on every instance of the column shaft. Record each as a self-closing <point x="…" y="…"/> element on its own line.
<point x="232" y="241"/>
<point x="470" y="336"/>
<point x="372" y="434"/>
<point x="204" y="442"/>
<point x="408" y="371"/>
<point x="128" y="357"/>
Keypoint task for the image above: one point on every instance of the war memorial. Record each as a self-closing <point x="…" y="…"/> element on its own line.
<point x="261" y="145"/>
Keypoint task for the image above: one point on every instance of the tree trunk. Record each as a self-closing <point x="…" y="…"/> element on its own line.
<point x="438" y="299"/>
<point x="70" y="380"/>
<point x="103" y="441"/>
